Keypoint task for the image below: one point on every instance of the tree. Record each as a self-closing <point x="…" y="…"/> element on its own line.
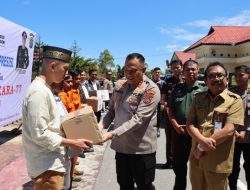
<point x="83" y="64"/>
<point x="105" y="61"/>
<point x="75" y="50"/>
<point x="37" y="61"/>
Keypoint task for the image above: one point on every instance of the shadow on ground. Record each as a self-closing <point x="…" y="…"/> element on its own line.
<point x="28" y="186"/>
<point x="6" y="136"/>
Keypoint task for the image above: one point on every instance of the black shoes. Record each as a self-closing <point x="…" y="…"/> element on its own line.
<point x="168" y="165"/>
<point x="81" y="155"/>
<point x="91" y="149"/>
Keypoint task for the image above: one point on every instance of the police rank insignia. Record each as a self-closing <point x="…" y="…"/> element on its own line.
<point x="148" y="97"/>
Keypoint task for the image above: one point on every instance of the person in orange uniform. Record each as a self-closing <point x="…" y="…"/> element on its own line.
<point x="74" y="93"/>
<point x="71" y="102"/>
<point x="67" y="85"/>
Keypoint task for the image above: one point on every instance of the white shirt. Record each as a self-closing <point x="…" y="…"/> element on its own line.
<point x="62" y="110"/>
<point x="86" y="93"/>
<point x="41" y="132"/>
<point x="94" y="85"/>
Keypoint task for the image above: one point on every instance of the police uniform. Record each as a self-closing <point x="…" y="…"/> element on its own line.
<point x="22" y="57"/>
<point x="134" y="109"/>
<point x="180" y="101"/>
<point x="169" y="130"/>
<point x="213" y="168"/>
<point x="244" y="146"/>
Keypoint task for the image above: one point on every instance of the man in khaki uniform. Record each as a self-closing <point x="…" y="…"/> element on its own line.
<point x="211" y="121"/>
<point x="133" y="108"/>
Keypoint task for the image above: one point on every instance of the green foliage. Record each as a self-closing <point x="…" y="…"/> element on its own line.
<point x="105" y="62"/>
<point x="83" y="64"/>
<point x="37" y="64"/>
<point x="75" y="49"/>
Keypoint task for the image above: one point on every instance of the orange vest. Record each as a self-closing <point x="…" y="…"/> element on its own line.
<point x="75" y="98"/>
<point x="69" y="105"/>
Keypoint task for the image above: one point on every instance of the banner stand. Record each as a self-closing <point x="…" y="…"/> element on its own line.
<point x="16" y="58"/>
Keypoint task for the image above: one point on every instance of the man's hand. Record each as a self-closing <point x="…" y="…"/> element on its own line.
<point x="107" y="136"/>
<point x="78" y="144"/>
<point x="240" y="136"/>
<point x="208" y="144"/>
<point x="162" y="107"/>
<point x="180" y="129"/>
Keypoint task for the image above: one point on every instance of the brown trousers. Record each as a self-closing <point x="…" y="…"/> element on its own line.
<point x="49" y="180"/>
<point x="206" y="180"/>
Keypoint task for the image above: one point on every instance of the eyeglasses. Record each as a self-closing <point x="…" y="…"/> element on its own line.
<point x="93" y="74"/>
<point x="214" y="76"/>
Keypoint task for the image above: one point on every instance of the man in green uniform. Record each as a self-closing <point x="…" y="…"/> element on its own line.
<point x="211" y="121"/>
<point x="133" y="107"/>
<point x="176" y="69"/>
<point x="178" y="104"/>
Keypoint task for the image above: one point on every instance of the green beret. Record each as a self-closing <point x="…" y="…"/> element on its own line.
<point x="56" y="53"/>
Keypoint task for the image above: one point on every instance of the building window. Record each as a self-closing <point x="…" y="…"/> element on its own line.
<point x="214" y="54"/>
<point x="235" y="55"/>
<point x="221" y="54"/>
<point x="228" y="55"/>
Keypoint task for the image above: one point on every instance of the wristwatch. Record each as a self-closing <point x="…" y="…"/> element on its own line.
<point x="200" y="148"/>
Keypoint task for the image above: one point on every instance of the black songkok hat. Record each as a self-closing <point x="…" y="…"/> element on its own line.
<point x="56" y="53"/>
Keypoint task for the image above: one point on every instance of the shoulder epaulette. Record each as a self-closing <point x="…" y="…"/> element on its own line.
<point x="120" y="84"/>
<point x="233" y="94"/>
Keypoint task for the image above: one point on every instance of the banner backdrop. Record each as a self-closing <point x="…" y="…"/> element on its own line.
<point x="16" y="58"/>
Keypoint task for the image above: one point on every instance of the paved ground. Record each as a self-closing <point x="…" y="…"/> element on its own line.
<point x="13" y="173"/>
<point x="164" y="179"/>
<point x="98" y="167"/>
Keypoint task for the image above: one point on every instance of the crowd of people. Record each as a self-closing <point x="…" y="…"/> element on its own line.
<point x="205" y="123"/>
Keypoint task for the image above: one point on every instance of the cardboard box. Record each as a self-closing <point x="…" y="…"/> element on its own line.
<point x="103" y="94"/>
<point x="92" y="93"/>
<point x="95" y="103"/>
<point x="82" y="124"/>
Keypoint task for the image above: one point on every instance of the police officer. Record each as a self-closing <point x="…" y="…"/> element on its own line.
<point x="178" y="104"/>
<point x="211" y="122"/>
<point x="133" y="108"/>
<point x="242" y="143"/>
<point x="176" y="69"/>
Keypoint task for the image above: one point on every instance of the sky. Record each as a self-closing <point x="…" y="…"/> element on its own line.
<point x="154" y="28"/>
